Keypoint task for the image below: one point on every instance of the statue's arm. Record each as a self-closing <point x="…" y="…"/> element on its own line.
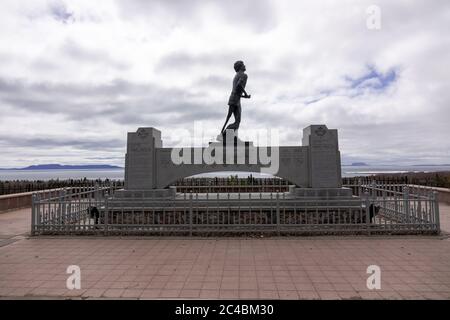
<point x="241" y="85"/>
<point x="244" y="93"/>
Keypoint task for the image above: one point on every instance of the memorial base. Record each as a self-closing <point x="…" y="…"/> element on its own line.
<point x="156" y="194"/>
<point x="321" y="193"/>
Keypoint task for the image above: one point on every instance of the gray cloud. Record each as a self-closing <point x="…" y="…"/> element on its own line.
<point x="26" y="141"/>
<point x="214" y="81"/>
<point x="81" y="54"/>
<point x="258" y="15"/>
<point x="120" y="101"/>
<point x="175" y="61"/>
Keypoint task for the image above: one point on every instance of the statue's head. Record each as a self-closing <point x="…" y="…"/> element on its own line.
<point x="239" y="65"/>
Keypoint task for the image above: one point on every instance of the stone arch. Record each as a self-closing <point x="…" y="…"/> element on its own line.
<point x="168" y="182"/>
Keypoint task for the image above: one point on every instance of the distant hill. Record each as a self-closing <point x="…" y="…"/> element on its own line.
<point x="356" y="164"/>
<point x="66" y="167"/>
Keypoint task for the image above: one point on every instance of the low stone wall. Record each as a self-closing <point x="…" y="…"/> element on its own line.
<point x="16" y="201"/>
<point x="443" y="193"/>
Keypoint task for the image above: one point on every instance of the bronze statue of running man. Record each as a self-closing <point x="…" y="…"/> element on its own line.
<point x="234" y="103"/>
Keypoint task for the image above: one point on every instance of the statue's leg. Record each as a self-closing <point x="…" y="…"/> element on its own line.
<point x="237" y="116"/>
<point x="230" y="111"/>
<point x="237" y="122"/>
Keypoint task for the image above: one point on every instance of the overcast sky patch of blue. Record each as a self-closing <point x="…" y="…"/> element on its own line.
<point x="373" y="79"/>
<point x="59" y="12"/>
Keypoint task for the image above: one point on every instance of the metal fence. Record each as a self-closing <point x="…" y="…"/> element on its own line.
<point x="374" y="209"/>
<point x="232" y="184"/>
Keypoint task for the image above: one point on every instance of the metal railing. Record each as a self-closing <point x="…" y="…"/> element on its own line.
<point x="374" y="209"/>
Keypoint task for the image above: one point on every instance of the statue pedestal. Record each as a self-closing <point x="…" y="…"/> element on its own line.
<point x="321" y="193"/>
<point x="331" y="198"/>
<point x="168" y="193"/>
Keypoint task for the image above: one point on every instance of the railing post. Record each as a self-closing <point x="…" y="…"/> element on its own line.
<point x="190" y="214"/>
<point x="106" y="215"/>
<point x="96" y="192"/>
<point x="367" y="201"/>
<point x="384" y="196"/>
<point x="56" y="219"/>
<point x="69" y="206"/>
<point x="374" y="190"/>
<point x="406" y="203"/>
<point x="38" y="210"/>
<point x="33" y="213"/>
<point x="278" y="213"/>
<point x="359" y="187"/>
<point x="436" y="211"/>
<point x="417" y="214"/>
<point x="395" y="203"/>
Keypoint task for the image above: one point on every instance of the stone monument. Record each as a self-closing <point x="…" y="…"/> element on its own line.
<point x="314" y="169"/>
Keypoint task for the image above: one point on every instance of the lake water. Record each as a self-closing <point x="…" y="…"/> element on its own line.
<point x="118" y="174"/>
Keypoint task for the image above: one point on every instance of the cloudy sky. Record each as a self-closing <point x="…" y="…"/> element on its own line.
<point x="76" y="75"/>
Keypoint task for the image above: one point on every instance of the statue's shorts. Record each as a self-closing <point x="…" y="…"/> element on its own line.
<point x="235" y="109"/>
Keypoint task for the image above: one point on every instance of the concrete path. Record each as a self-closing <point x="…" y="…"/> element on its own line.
<point x="14" y="225"/>
<point x="413" y="267"/>
<point x="228" y="268"/>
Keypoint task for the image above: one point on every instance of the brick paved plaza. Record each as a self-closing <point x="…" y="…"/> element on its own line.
<point x="412" y="267"/>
